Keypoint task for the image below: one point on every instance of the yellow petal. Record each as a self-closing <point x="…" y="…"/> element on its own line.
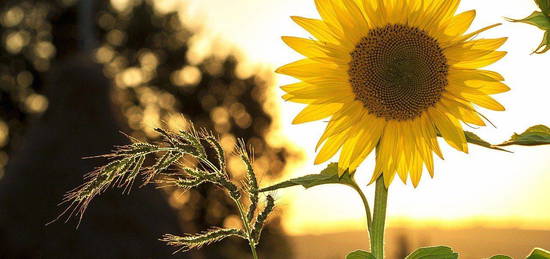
<point x="481" y="62"/>
<point x="331" y="146"/>
<point x="317" y="28"/>
<point x="308" y="68"/>
<point x="449" y="128"/>
<point x="324" y="7"/>
<point x="491" y="74"/>
<point x="416" y="169"/>
<point x="487" y="44"/>
<point x="484" y="101"/>
<point x="451" y="9"/>
<point x="343" y="99"/>
<point x="387" y="153"/>
<point x="315" y="112"/>
<point x="438" y="12"/>
<point x="488" y="87"/>
<point x="460" y="57"/>
<point x="477" y="81"/>
<point x="473" y="74"/>
<point x="347" y="152"/>
<point x="462" y="111"/>
<point x="306" y="47"/>
<point x="371" y="14"/>
<point x="475" y="33"/>
<point x="357" y="21"/>
<point x="306" y="90"/>
<point x="295" y="87"/>
<point x="343" y="120"/>
<point x="428" y="132"/>
<point x="372" y="130"/>
<point x="472" y="51"/>
<point x="459" y="24"/>
<point x="425" y="153"/>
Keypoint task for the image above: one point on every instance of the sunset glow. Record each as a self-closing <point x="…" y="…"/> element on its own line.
<point x="482" y="188"/>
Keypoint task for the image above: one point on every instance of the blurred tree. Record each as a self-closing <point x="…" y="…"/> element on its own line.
<point x="402" y="244"/>
<point x="79" y="121"/>
<point x="148" y="56"/>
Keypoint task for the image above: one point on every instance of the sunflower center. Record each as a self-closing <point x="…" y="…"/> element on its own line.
<point x="398" y="72"/>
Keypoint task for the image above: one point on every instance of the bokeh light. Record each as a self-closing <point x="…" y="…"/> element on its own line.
<point x="211" y="62"/>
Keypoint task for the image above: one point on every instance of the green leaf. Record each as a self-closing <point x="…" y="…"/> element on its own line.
<point x="435" y="252"/>
<point x="476" y="140"/>
<point x="360" y="254"/>
<point x="500" y="257"/>
<point x="328" y="176"/>
<point x="539" y="253"/>
<point x="544" y="6"/>
<point x="533" y="136"/>
<point x="537" y="19"/>
<point x="544" y="45"/>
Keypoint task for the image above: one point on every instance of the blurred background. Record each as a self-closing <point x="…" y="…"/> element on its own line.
<point x="75" y="74"/>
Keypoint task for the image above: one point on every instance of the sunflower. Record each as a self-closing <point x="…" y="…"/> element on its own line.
<point x="392" y="76"/>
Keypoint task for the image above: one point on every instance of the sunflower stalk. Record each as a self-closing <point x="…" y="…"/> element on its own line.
<point x="126" y="165"/>
<point x="379" y="219"/>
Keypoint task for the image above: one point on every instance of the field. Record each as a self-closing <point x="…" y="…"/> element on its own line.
<point x="471" y="243"/>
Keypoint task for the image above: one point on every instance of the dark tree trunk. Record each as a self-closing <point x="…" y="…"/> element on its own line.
<point x="79" y="122"/>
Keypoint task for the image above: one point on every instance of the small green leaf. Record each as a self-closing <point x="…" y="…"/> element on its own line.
<point x="500" y="257"/>
<point x="533" y="136"/>
<point x="328" y="176"/>
<point x="537" y="19"/>
<point x="539" y="253"/>
<point x="360" y="254"/>
<point x="544" y="45"/>
<point x="476" y="140"/>
<point x="435" y="252"/>
<point x="542" y="21"/>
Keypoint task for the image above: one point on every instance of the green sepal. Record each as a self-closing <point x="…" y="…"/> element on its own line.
<point x="542" y="21"/>
<point x="533" y="136"/>
<point x="539" y="253"/>
<point x="328" y="176"/>
<point x="435" y="252"/>
<point x="537" y="18"/>
<point x="472" y="138"/>
<point x="500" y="257"/>
<point x="360" y="254"/>
<point x="476" y="140"/>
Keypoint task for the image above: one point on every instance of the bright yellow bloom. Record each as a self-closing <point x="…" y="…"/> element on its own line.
<point x="392" y="75"/>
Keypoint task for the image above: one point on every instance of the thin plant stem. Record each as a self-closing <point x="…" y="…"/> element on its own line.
<point x="247" y="229"/>
<point x="379" y="219"/>
<point x="365" y="204"/>
<point x="244" y="218"/>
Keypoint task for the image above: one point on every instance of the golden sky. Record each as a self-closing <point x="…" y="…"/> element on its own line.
<point x="484" y="187"/>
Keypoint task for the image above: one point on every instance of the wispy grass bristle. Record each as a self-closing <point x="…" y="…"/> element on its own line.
<point x="200" y="158"/>
<point x="194" y="241"/>
<point x="260" y="220"/>
<point x="251" y="180"/>
<point x="220" y="154"/>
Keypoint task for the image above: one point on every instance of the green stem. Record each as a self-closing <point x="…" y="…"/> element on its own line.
<point x="365" y="204"/>
<point x="379" y="219"/>
<point x="244" y="218"/>
<point x="247" y="229"/>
